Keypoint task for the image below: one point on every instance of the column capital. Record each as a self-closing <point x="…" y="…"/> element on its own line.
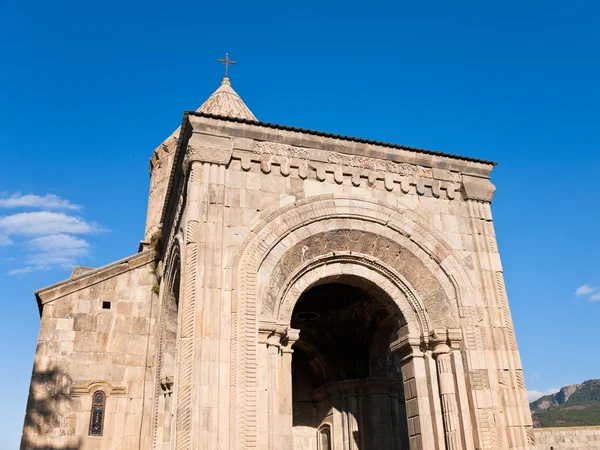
<point x="444" y="341"/>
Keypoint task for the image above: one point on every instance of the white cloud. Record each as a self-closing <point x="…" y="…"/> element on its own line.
<point x="22" y="271"/>
<point x="43" y="239"/>
<point x="595" y="297"/>
<point x="589" y="291"/>
<point x="56" y="250"/>
<point x="533" y="395"/>
<point x="57" y="243"/>
<point x="48" y="201"/>
<point x="584" y="290"/>
<point x="44" y="223"/>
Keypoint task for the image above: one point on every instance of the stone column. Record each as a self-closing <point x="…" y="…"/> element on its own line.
<point x="286" y="410"/>
<point x="441" y="353"/>
<point x="418" y="402"/>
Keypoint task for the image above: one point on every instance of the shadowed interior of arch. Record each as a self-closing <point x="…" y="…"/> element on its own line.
<point x="347" y="385"/>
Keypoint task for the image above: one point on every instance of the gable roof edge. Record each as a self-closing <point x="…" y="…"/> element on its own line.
<point x="66" y="287"/>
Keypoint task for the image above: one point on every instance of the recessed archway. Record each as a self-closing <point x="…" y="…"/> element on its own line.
<point x="347" y="387"/>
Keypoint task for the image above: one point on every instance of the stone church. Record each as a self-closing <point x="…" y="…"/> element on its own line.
<point x="295" y="289"/>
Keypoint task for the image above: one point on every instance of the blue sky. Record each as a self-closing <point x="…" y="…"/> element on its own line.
<point x="88" y="90"/>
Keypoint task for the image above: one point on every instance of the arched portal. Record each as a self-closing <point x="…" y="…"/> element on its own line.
<point x="370" y="247"/>
<point x="347" y="388"/>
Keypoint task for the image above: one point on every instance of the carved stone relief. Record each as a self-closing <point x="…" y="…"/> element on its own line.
<point x="390" y="175"/>
<point x="276" y="149"/>
<point x="390" y="253"/>
<point x="378" y="165"/>
<point x="208" y="153"/>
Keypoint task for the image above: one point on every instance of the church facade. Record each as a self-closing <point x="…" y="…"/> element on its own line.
<point x="294" y="290"/>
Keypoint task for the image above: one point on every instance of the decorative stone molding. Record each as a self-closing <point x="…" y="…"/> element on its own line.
<point x="390" y="175"/>
<point x="379" y="165"/>
<point x="276" y="149"/>
<point x="88" y="387"/>
<point x="356" y="245"/>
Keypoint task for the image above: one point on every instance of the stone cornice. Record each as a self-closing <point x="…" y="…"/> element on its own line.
<point x="403" y="177"/>
<point x="280" y="129"/>
<point x="344" y="145"/>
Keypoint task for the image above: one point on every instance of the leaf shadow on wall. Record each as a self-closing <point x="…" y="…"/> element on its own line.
<point x="49" y="424"/>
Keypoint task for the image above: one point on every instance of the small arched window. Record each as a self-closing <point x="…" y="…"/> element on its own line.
<point x="97" y="413"/>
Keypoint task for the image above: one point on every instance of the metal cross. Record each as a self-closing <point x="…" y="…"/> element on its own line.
<point x="227" y="62"/>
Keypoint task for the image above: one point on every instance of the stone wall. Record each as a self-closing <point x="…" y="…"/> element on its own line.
<point x="96" y="333"/>
<point x="580" y="438"/>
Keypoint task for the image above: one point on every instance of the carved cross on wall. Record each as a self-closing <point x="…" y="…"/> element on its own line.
<point x="227" y="62"/>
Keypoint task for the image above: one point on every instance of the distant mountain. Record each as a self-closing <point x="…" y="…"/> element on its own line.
<point x="573" y="406"/>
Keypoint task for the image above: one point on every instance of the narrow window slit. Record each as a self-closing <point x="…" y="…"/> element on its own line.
<point x="97" y="413"/>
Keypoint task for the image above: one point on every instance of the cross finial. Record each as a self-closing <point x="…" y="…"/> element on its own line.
<point x="227" y="62"/>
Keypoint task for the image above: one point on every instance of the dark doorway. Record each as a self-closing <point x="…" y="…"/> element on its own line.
<point x="346" y="383"/>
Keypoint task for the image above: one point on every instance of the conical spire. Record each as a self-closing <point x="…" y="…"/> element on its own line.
<point x="226" y="102"/>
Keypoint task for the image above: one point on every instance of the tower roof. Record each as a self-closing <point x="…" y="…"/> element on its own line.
<point x="226" y="102"/>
